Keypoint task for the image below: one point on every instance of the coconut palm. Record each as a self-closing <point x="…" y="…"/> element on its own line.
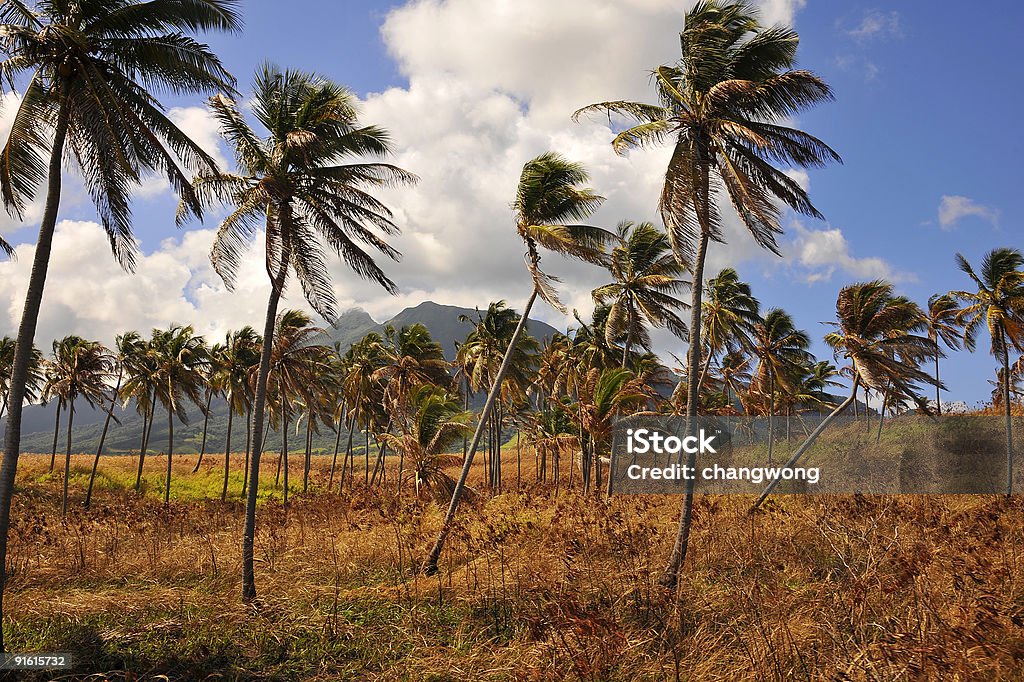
<point x="78" y="369"/>
<point x="998" y="304"/>
<point x="35" y="379"/>
<point x="182" y="364"/>
<point x="942" y="326"/>
<point x="140" y="365"/>
<point x="233" y="363"/>
<point x="92" y="68"/>
<point x="880" y="335"/>
<point x="128" y="345"/>
<point x="781" y="351"/>
<point x="306" y="184"/>
<point x="210" y="389"/>
<point x="298" y="356"/>
<point x="549" y="196"/>
<point x="730" y="314"/>
<point x="429" y="422"/>
<point x="646" y="278"/>
<point x="723" y="106"/>
<point x="364" y="393"/>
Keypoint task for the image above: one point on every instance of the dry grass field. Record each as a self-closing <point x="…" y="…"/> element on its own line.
<point x="534" y="585"/>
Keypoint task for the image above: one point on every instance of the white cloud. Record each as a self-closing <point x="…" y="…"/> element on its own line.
<point x="819" y="254"/>
<point x="876" y="24"/>
<point x="953" y="208"/>
<point x="199" y="125"/>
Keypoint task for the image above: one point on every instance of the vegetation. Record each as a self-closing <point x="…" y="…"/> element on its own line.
<point x="557" y="574"/>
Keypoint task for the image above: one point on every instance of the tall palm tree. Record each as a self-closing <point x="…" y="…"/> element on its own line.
<point x="781" y="351"/>
<point x="210" y="389"/>
<point x="234" y="361"/>
<point x="723" y="106"/>
<point x="93" y="68"/>
<point x="646" y="278"/>
<point x="182" y="364"/>
<point x="306" y="183"/>
<point x="880" y="334"/>
<point x="549" y="196"/>
<point x="362" y="390"/>
<point x="998" y="304"/>
<point x="140" y="365"/>
<point x="730" y="314"/>
<point x="128" y="345"/>
<point x="942" y="326"/>
<point x="79" y="369"/>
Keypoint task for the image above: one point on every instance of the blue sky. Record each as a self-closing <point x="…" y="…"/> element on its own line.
<point x="472" y="88"/>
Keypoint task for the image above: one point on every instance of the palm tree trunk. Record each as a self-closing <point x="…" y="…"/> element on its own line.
<point x="206" y="424"/>
<point x="366" y="456"/>
<point x="170" y="454"/>
<point x="670" y="576"/>
<point x="1008" y="412"/>
<point x="938" y="395"/>
<point x="809" y="442"/>
<point x="627" y="345"/>
<point x="348" y="456"/>
<point x="260" y="400"/>
<point x="248" y="449"/>
<point x="771" y="415"/>
<point x="337" y="449"/>
<point x="430" y="565"/>
<point x="309" y="454"/>
<point x="26" y="337"/>
<point x="881" y="417"/>
<point x="284" y="447"/>
<point x="103" y="436"/>
<point x="67" y="458"/>
<point x="147" y="427"/>
<point x="706" y="368"/>
<point x="56" y="435"/>
<point x="227" y="452"/>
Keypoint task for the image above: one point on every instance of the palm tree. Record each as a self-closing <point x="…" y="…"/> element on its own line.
<point x="305" y="183"/>
<point x="548" y="197"/>
<point x="79" y="369"/>
<point x="91" y="68"/>
<point x="781" y="350"/>
<point x="362" y="391"/>
<point x="879" y="333"/>
<point x="730" y="314"/>
<point x="942" y="326"/>
<point x="604" y="396"/>
<point x="234" y="360"/>
<point x="140" y="365"/>
<point x="479" y="359"/>
<point x="998" y="303"/>
<point x="210" y="389"/>
<point x="182" y="363"/>
<point x="429" y="422"/>
<point x="724" y="107"/>
<point x="646" y="278"/>
<point x="298" y="356"/>
<point x="128" y="344"/>
<point x="35" y="373"/>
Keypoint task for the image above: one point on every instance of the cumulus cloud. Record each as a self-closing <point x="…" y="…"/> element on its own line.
<point x="490" y="85"/>
<point x="954" y="208"/>
<point x="819" y="254"/>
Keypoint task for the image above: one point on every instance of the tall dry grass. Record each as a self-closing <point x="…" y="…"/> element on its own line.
<point x="533" y="585"/>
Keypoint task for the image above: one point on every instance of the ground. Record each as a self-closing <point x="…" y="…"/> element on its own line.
<point x="535" y="584"/>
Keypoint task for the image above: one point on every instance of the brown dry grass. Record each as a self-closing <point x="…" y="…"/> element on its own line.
<point x="534" y="586"/>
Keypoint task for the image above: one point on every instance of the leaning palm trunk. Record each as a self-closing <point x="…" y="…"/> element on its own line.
<point x="103" y="437"/>
<point x="227" y="452"/>
<point x="56" y="435"/>
<point x="670" y="576"/>
<point x="67" y="458"/>
<point x="170" y="453"/>
<point x="147" y="428"/>
<point x="430" y="565"/>
<point x="810" y="441"/>
<point x="206" y="424"/>
<point x="249" y="530"/>
<point x="26" y="337"/>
